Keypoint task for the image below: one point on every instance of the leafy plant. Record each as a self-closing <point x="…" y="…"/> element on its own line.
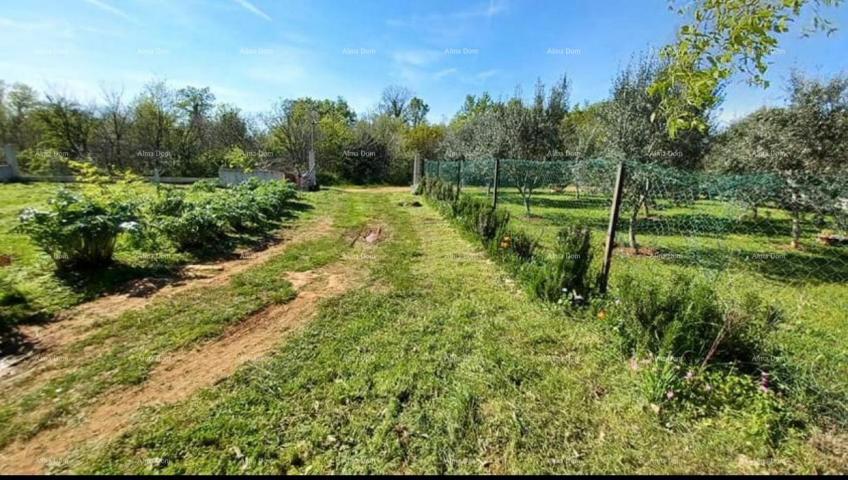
<point x="684" y="318"/>
<point x="198" y="228"/>
<point x="519" y="244"/>
<point x="565" y="274"/>
<point x="77" y="229"/>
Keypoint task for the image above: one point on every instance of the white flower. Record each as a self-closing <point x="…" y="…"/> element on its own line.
<point x="128" y="226"/>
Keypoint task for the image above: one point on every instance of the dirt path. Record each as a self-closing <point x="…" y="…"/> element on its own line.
<point x="76" y="323"/>
<point x="183" y="373"/>
<point x="372" y="189"/>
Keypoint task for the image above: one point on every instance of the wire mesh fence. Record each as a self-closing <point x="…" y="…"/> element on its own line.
<point x="778" y="227"/>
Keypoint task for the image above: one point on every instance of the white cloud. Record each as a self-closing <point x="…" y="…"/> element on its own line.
<point x="253" y="9"/>
<point x="444" y="73"/>
<point x="416" y="58"/>
<point x="109" y="8"/>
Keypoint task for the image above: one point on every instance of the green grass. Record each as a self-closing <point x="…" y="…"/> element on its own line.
<point x="127" y="348"/>
<point x="442" y="365"/>
<point x="740" y="255"/>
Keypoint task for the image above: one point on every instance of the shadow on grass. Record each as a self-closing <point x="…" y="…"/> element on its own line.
<point x="15" y="310"/>
<point x="704" y="224"/>
<point x="564" y="201"/>
<point x="816" y="265"/>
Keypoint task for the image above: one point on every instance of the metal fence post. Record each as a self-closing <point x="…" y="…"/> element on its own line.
<point x="613" y="223"/>
<point x="496" y="181"/>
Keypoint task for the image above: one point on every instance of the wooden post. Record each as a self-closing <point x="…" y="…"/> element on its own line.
<point x="416" y="173"/>
<point x="613" y="223"/>
<point x="459" y="176"/>
<point x="497" y="181"/>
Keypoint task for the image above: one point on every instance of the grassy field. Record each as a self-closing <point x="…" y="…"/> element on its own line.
<point x="438" y="362"/>
<point x="740" y="254"/>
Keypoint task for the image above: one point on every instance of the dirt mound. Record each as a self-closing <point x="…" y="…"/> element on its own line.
<point x="369" y="234"/>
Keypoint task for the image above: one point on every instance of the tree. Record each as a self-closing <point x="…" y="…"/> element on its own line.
<point x="394" y="101"/>
<point x="801" y="146"/>
<point x="635" y="131"/>
<point x="582" y="137"/>
<point x="114" y="128"/>
<point x="21" y="102"/>
<point x="723" y="37"/>
<point x="425" y="140"/>
<point x="193" y="106"/>
<point x="417" y="112"/>
<point x="154" y="120"/>
<point x="66" y="125"/>
<point x="290" y="125"/>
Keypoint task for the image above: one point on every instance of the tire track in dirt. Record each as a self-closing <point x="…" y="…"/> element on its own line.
<point x="78" y="322"/>
<point x="181" y="374"/>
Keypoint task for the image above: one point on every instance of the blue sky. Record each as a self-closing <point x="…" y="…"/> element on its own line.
<point x="254" y="52"/>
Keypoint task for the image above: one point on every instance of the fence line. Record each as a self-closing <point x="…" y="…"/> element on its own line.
<point x="687" y="217"/>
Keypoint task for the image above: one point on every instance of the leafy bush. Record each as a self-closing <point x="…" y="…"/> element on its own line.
<point x="78" y="229"/>
<point x="198" y="228"/>
<point x="44" y="161"/>
<point x="519" y="244"/>
<point x="203" y="224"/>
<point x="684" y="318"/>
<point x="205" y="186"/>
<point x="565" y="274"/>
<point x="169" y="202"/>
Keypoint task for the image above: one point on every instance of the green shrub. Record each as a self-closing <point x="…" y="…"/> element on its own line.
<point x="208" y="185"/>
<point x="198" y="228"/>
<point x="684" y="318"/>
<point x="77" y="229"/>
<point x="564" y="274"/>
<point x="44" y="161"/>
<point x="518" y="244"/>
<point x="203" y="225"/>
<point x="169" y="202"/>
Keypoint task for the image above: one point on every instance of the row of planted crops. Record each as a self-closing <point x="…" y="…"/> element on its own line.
<point x="102" y="225"/>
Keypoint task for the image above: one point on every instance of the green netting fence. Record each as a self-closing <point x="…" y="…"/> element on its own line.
<point x="781" y="228"/>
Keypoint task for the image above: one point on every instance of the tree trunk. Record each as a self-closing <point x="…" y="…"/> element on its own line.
<point x="796" y="222"/>
<point x="527" y="203"/>
<point x="577" y="189"/>
<point x="632" y="232"/>
<point x="796" y="229"/>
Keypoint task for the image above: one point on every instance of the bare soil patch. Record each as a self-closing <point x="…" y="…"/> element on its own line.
<point x="76" y="323"/>
<point x="183" y="373"/>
